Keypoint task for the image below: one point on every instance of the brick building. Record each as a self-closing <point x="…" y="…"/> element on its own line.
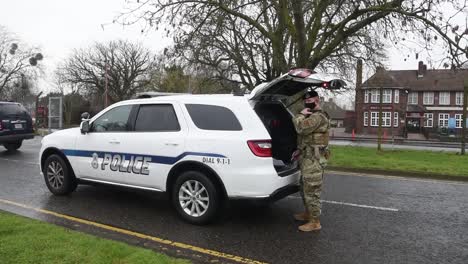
<point x="422" y="101"/>
<point x="336" y="113"/>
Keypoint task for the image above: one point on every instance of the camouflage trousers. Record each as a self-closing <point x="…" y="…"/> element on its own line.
<point x="311" y="184"/>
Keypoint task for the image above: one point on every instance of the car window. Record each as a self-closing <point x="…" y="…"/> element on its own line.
<point x="212" y="117"/>
<point x="12" y="109"/>
<point x="113" y="120"/>
<point x="157" y="117"/>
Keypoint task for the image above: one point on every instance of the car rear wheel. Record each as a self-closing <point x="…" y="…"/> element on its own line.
<point x="12" y="146"/>
<point x="58" y="175"/>
<point x="195" y="198"/>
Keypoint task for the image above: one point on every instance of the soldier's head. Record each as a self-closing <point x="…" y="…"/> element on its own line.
<point x="311" y="99"/>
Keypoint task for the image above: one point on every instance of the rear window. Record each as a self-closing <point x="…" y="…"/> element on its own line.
<point x="212" y="117"/>
<point x="12" y="109"/>
<point x="158" y="117"/>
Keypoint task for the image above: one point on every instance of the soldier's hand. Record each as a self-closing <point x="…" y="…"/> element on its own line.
<point x="306" y="111"/>
<point x="296" y="154"/>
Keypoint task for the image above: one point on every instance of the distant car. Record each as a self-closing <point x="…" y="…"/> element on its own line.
<point x="200" y="149"/>
<point x="15" y="125"/>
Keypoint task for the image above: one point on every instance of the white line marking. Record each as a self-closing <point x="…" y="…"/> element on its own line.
<point x="362" y="206"/>
<point x="20" y="161"/>
<point x="353" y="204"/>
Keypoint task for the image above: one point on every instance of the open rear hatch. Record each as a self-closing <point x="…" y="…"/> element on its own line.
<point x="294" y="82"/>
<point x="277" y="118"/>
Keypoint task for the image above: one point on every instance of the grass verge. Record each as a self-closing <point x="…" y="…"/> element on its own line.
<point x="24" y="240"/>
<point x="409" y="161"/>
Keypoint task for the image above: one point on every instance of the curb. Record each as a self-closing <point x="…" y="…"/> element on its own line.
<point x="407" y="174"/>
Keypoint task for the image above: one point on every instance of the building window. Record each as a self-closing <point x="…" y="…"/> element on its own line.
<point x="413" y="98"/>
<point x="366" y="96"/>
<point x="366" y="119"/>
<point x="459" y="120"/>
<point x="395" y="119"/>
<point x="459" y="98"/>
<point x="428" y="98"/>
<point x="375" y="96"/>
<point x="374" y="119"/>
<point x="386" y="119"/>
<point x="428" y="120"/>
<point x="443" y="120"/>
<point x="387" y="96"/>
<point x="397" y="96"/>
<point x="444" y="98"/>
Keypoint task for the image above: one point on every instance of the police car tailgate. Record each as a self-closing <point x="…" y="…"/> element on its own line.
<point x="294" y="82"/>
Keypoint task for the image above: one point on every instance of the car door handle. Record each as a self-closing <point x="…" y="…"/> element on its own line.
<point x="114" y="141"/>
<point x="171" y="144"/>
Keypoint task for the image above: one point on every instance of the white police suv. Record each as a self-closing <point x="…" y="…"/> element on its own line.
<point x="200" y="149"/>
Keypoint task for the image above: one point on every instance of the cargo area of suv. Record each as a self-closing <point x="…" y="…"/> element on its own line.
<point x="278" y="121"/>
<point x="15" y="125"/>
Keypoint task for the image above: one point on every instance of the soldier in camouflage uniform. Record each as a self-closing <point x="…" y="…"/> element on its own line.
<point x="312" y="125"/>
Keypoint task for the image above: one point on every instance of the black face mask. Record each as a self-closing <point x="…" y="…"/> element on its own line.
<point x="310" y="105"/>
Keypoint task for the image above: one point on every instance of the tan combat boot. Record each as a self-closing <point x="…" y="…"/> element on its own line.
<point x="312" y="225"/>
<point x="304" y="216"/>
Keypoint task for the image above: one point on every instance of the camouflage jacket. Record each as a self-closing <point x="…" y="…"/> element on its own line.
<point x="312" y="130"/>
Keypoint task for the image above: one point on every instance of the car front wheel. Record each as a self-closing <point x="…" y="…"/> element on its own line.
<point x="195" y="198"/>
<point x="58" y="175"/>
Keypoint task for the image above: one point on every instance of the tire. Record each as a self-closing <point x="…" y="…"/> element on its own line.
<point x="58" y="175"/>
<point x="201" y="208"/>
<point x="12" y="146"/>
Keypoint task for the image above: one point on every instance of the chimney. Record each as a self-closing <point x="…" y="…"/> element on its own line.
<point x="359" y="74"/>
<point x="421" y="69"/>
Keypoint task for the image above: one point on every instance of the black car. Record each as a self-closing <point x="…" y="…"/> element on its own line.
<point x="15" y="125"/>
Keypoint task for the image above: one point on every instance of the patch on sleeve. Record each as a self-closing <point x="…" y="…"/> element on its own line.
<point x="307" y="123"/>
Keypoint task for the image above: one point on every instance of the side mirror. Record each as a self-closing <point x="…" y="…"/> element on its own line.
<point x="85" y="116"/>
<point x="84" y="126"/>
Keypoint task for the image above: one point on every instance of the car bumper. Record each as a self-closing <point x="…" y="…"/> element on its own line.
<point x="16" y="137"/>
<point x="275" y="196"/>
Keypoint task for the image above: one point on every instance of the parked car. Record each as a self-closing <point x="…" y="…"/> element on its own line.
<point x="199" y="149"/>
<point x="15" y="125"/>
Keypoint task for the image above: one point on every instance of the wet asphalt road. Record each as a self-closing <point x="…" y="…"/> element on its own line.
<point x="382" y="220"/>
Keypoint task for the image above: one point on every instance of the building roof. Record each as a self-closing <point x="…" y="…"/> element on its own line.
<point x="431" y="80"/>
<point x="333" y="110"/>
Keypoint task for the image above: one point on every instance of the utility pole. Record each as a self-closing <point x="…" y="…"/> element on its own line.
<point x="106" y="103"/>
<point x="37" y="107"/>
<point x="464" y="123"/>
<point x="379" y="140"/>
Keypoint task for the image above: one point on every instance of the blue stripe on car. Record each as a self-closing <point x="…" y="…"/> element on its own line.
<point x="154" y="159"/>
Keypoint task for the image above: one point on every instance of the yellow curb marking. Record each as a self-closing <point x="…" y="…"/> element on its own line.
<point x="140" y="235"/>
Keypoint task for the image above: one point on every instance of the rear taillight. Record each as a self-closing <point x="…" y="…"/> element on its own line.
<point x="260" y="148"/>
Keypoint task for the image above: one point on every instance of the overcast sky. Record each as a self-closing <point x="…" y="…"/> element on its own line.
<point x="59" y="26"/>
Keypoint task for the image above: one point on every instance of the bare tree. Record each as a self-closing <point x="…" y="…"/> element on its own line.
<point x="121" y="65"/>
<point x="170" y="75"/>
<point x="18" y="64"/>
<point x="258" y="40"/>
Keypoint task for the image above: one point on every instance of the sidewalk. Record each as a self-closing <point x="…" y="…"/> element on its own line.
<point x="338" y="132"/>
<point x="396" y="173"/>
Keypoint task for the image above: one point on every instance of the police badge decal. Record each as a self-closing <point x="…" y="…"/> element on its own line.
<point x="95" y="162"/>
